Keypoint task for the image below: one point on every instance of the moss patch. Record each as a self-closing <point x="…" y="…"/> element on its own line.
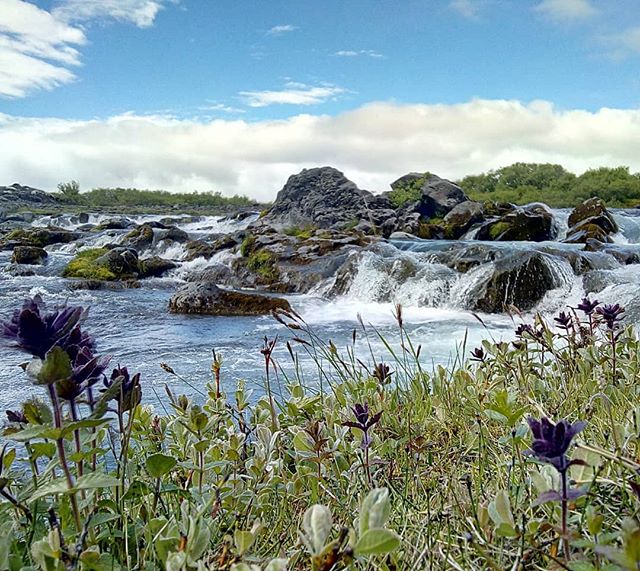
<point x="304" y="232"/>
<point x="84" y="266"/>
<point x="495" y="230"/>
<point x="264" y="264"/>
<point x="246" y="248"/>
<point x="407" y="192"/>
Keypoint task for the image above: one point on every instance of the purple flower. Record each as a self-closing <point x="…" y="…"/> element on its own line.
<point x="524" y="328"/>
<point x="87" y="370"/>
<point x="382" y="372"/>
<point x="36" y="331"/>
<point x="478" y="354"/>
<point x="587" y="306"/>
<point x="611" y="314"/>
<point x="551" y="441"/>
<point x="563" y="320"/>
<point x="130" y="392"/>
<point x="16" y="416"/>
<point x="364" y="422"/>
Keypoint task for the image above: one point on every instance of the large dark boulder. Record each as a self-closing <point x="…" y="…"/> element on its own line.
<point x="532" y="223"/>
<point x="520" y="279"/>
<point x="425" y="193"/>
<point x="154" y="267"/>
<point x="209" y="299"/>
<point x="590" y="221"/>
<point x="593" y="208"/>
<point x="30" y="255"/>
<point x="139" y="238"/>
<point x="18" y="197"/>
<point x="463" y="216"/>
<point x="324" y="198"/>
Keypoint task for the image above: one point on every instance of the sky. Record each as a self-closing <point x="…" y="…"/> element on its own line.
<point x="236" y="95"/>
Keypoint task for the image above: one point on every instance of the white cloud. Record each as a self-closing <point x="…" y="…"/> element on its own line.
<point x="372" y="145"/>
<point x="36" y="49"/>
<point x="356" y="53"/>
<point x="221" y="107"/>
<point x="293" y="94"/>
<point x="467" y="8"/>
<point x="567" y="10"/>
<point x="624" y="43"/>
<point x="281" y="29"/>
<point x="142" y="13"/>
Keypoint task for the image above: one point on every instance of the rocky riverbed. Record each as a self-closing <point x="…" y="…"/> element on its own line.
<point x="325" y="248"/>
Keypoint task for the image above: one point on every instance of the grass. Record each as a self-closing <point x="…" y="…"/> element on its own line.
<point x="432" y="473"/>
<point x="302" y="232"/>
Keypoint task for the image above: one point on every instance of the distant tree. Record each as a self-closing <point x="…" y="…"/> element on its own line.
<point x="70" y="190"/>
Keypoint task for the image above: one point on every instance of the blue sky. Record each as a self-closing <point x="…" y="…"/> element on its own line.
<point x="136" y="71"/>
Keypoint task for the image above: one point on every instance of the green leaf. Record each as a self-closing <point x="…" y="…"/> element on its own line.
<point x="86" y="423"/>
<point x="377" y="542"/>
<point x="55" y="367"/>
<point x="160" y="464"/>
<point x="53" y="487"/>
<point x="375" y="510"/>
<point x="136" y="490"/>
<point x="242" y="541"/>
<point x="316" y="525"/>
<point x="30" y="433"/>
<point x="96" y="480"/>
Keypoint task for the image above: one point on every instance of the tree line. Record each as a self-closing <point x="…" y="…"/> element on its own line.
<point x="521" y="183"/>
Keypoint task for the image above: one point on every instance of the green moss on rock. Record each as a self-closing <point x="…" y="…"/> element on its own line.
<point x="264" y="263"/>
<point x="85" y="266"/>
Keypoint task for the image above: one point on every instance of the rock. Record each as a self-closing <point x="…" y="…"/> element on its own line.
<point x="324" y="198"/>
<point x="520" y="279"/>
<point x="173" y="233"/>
<point x="218" y="274"/>
<point x="154" y="267"/>
<point x="83" y="218"/>
<point x="31" y="255"/>
<point x="200" y="249"/>
<point x="463" y="216"/>
<point x="104" y="265"/>
<point x="18" y="197"/>
<point x="119" y="223"/>
<point x="209" y="299"/>
<point x="139" y="238"/>
<point x="625" y="254"/>
<point x="425" y="193"/>
<point x="532" y="223"/>
<point x="39" y="237"/>
<point x="123" y="262"/>
<point x="103" y="285"/>
<point x="596" y="209"/>
<point x="584" y="231"/>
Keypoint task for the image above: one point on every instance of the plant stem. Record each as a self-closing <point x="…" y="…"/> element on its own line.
<point x="565" y="536"/>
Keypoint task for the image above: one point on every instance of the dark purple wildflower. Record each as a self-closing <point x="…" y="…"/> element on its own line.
<point x="611" y="314"/>
<point x="478" y="354"/>
<point x="130" y="392"/>
<point x="551" y="441"/>
<point x="87" y="370"/>
<point x="524" y="328"/>
<point x="363" y="421"/>
<point x="36" y="331"/>
<point x="563" y="320"/>
<point x="16" y="416"/>
<point x="587" y="306"/>
<point x="382" y="372"/>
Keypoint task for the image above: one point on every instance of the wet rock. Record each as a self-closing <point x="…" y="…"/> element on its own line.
<point x="532" y="223"/>
<point x="593" y="208"/>
<point x="218" y="274"/>
<point x="209" y="299"/>
<point x="17" y="197"/>
<point x="520" y="280"/>
<point x="30" y="255"/>
<point x="584" y="231"/>
<point x="117" y="223"/>
<point x="463" y="216"/>
<point x="19" y="270"/>
<point x="39" y="237"/>
<point x="83" y="218"/>
<point x="105" y="265"/>
<point x="94" y="285"/>
<point x="625" y="254"/>
<point x="154" y="267"/>
<point x="201" y="249"/>
<point x="140" y="238"/>
<point x="173" y="233"/>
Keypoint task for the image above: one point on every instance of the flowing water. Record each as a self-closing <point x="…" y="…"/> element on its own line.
<point x="134" y="326"/>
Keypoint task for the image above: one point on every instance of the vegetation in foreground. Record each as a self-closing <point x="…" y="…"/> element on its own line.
<point x="523" y="457"/>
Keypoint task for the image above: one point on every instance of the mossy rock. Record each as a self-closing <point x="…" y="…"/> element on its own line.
<point x="84" y="266"/>
<point x="247" y="246"/>
<point x="140" y="237"/>
<point x="303" y="233"/>
<point x="104" y="264"/>
<point x="38" y="237"/>
<point x="30" y="255"/>
<point x="265" y="264"/>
